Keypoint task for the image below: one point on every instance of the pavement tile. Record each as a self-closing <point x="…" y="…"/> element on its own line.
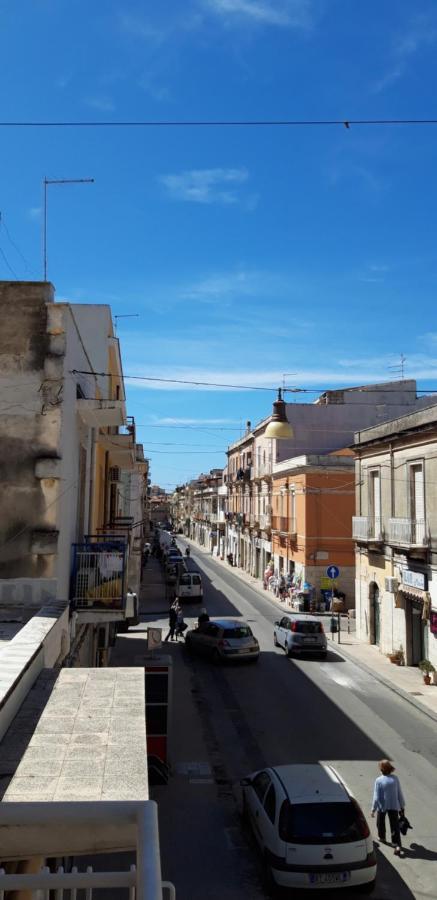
<point x="28" y="787"/>
<point x="79" y="788"/>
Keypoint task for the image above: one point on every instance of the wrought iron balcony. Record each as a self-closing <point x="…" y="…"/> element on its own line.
<point x="99" y="575"/>
<point x="408" y="532"/>
<point x="284" y="525"/>
<point x="367" y="529"/>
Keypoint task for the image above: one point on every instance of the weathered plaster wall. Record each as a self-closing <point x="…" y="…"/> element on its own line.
<point x="29" y="428"/>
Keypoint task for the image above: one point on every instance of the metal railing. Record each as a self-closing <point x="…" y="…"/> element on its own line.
<point x="68" y="883"/>
<point x="263" y="469"/>
<point x="367" y="528"/>
<point x="410" y="532"/>
<point x="80" y="828"/>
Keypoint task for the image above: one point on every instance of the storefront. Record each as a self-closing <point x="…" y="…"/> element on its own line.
<point x="414" y="598"/>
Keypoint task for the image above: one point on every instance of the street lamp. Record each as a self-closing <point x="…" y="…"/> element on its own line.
<point x="279" y="426"/>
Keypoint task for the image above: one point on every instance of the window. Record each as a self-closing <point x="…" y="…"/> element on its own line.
<point x="284" y="623"/>
<point x="260" y="784"/>
<point x="197" y="579"/>
<point x="417" y="503"/>
<point x="270" y="803"/>
<point x="318" y="823"/>
<point x="243" y="631"/>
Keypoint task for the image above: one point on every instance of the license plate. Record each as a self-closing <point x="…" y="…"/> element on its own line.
<point x="329" y="877"/>
<point x="310" y="639"/>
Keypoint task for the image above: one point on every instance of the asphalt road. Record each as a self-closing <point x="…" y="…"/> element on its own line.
<point x="229" y="721"/>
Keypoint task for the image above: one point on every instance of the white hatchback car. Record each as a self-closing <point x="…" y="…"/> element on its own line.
<point x="310" y="829"/>
<point x="224" y="639"/>
<point x="300" y="634"/>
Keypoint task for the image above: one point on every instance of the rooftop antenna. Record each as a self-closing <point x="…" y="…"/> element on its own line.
<point x="124" y="316"/>
<point x="399" y="369"/>
<point x="284" y="374"/>
<point x="46" y="182"/>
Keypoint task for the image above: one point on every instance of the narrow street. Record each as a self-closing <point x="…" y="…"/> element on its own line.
<point x="228" y="721"/>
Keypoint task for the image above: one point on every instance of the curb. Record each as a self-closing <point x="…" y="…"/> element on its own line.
<point x="349" y="656"/>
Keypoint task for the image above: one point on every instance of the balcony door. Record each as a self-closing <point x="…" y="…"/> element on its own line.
<point x="417" y="503"/>
<point x="374" y="503"/>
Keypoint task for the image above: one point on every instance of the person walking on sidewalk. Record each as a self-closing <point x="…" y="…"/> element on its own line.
<point x="388" y="799"/>
<point x="172" y="622"/>
<point x="180" y="624"/>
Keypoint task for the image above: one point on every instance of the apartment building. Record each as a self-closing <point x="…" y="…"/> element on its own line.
<point x="313" y="503"/>
<point x="319" y="428"/>
<point x="67" y="532"/>
<point x="395" y="528"/>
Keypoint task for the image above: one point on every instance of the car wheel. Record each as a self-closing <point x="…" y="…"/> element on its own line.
<point x="269" y="879"/>
<point x="367" y="888"/>
<point x="275" y="639"/>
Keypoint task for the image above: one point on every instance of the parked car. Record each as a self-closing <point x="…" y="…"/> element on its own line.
<point x="300" y="634"/>
<point x="223" y="639"/>
<point x="309" y="827"/>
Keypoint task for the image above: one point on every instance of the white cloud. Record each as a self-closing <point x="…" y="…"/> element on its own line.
<point x="422" y="32"/>
<point x="100" y="102"/>
<point x="223" y="286"/>
<point x="139" y="26"/>
<point x="169" y="420"/>
<point x="343" y="372"/>
<point x="285" y="13"/>
<point x="206" y="186"/>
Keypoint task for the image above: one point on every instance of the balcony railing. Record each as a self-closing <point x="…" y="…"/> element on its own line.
<point x="265" y="520"/>
<point x="284" y="525"/>
<point x="98" y="581"/>
<point x="367" y="528"/>
<point x="408" y="532"/>
<point x="65" y="829"/>
<point x="262" y="469"/>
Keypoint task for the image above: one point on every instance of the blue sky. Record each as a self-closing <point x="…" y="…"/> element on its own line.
<point x="246" y="252"/>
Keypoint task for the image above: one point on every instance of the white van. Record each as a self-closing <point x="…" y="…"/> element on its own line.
<point x="189" y="587"/>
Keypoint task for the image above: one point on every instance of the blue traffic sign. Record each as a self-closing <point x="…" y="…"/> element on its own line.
<point x="332" y="572"/>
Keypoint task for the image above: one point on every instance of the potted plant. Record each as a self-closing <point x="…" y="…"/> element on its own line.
<point x="426" y="667"/>
<point x="397" y="657"/>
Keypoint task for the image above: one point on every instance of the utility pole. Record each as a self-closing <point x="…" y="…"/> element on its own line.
<point x="46" y="182"/>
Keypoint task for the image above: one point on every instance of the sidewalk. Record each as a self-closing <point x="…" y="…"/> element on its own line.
<point x="406" y="681"/>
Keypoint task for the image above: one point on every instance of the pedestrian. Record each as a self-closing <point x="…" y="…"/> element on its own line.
<point x="172" y="622"/>
<point x="281" y="586"/>
<point x="333" y="626"/>
<point x="388" y="799"/>
<point x="180" y="624"/>
<point x="203" y="617"/>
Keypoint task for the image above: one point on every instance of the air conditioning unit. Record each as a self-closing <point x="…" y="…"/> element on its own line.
<point x="391" y="585"/>
<point x="114" y="474"/>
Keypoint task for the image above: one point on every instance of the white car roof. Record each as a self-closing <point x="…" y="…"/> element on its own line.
<point x="301" y="617"/>
<point x="311" y="783"/>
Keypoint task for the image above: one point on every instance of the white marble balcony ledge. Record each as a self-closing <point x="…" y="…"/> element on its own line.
<point x="37" y="645"/>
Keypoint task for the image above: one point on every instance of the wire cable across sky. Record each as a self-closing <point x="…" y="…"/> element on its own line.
<point x="215" y="123"/>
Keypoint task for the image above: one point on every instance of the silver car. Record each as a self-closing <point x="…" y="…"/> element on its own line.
<point x="223" y="639"/>
<point x="300" y="634"/>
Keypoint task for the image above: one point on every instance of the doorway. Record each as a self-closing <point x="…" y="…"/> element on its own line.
<point x="375" y="613"/>
<point x="417" y="633"/>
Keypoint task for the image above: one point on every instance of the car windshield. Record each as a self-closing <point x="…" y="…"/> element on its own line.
<point x="242" y="631"/>
<point x="309" y="627"/>
<point x="317" y="823"/>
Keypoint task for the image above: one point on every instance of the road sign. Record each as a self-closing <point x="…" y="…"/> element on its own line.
<point x="332" y="572"/>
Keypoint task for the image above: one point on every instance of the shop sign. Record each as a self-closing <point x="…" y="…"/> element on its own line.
<point x="415" y="579"/>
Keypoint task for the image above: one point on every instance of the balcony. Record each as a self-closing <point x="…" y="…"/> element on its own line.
<point x="265" y="521"/>
<point x="263" y="470"/>
<point x="284" y="525"/>
<point x="98" y="580"/>
<point x="254" y="520"/>
<point x="367" y="529"/>
<point x="121" y="446"/>
<point x="408" y="533"/>
<point x="101" y="413"/>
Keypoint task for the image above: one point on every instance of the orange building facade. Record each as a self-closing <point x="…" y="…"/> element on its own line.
<point x="313" y="501"/>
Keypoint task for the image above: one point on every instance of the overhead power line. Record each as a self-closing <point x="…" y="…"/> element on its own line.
<point x="212" y="123"/>
<point x="242" y="387"/>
